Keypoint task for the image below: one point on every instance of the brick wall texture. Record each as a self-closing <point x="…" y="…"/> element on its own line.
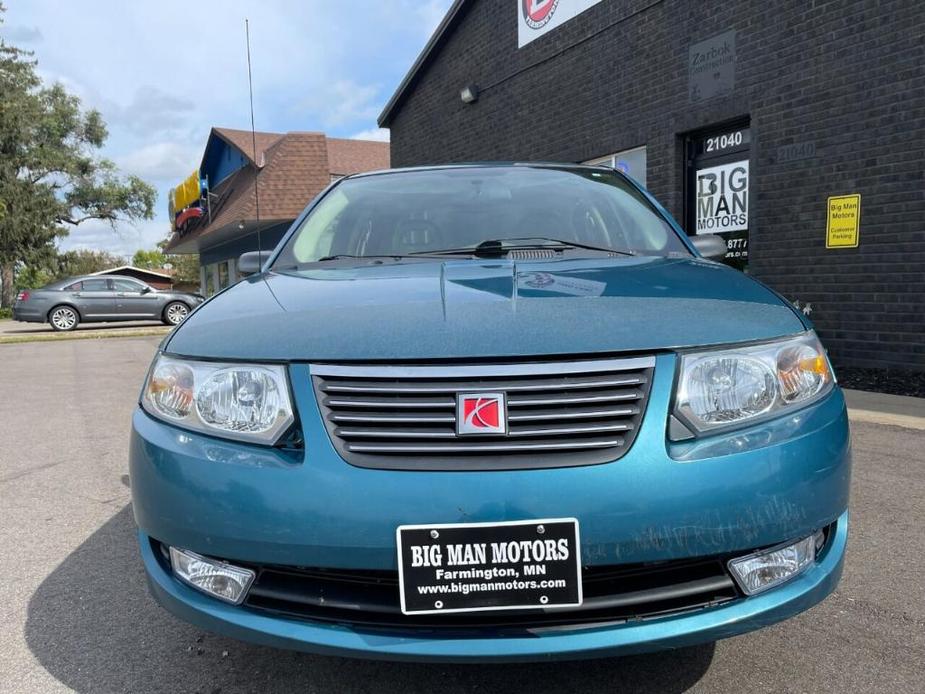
<point x="848" y="77"/>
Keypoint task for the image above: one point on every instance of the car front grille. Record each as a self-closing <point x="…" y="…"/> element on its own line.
<point x="612" y="594"/>
<point x="562" y="413"/>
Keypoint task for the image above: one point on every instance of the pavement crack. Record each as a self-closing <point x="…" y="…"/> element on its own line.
<point x="24" y="473"/>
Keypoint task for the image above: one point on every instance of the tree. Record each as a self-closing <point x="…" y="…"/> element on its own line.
<point x="149" y="260"/>
<point x="51" y="176"/>
<point x="84" y="262"/>
<point x="185" y="265"/>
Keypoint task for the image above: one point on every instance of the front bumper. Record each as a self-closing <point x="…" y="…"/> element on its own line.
<point x="777" y="481"/>
<point x="778" y="604"/>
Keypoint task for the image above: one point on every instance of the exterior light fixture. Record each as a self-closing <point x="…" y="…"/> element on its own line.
<point x="469" y="94"/>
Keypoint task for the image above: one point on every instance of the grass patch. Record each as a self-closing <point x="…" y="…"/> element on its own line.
<point x="81" y="335"/>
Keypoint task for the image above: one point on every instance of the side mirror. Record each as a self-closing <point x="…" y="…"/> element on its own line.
<point x="710" y="246"/>
<point x="251" y="262"/>
<point x="146" y="290"/>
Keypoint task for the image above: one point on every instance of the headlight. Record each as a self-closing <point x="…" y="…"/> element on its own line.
<point x="723" y="388"/>
<point x="249" y="402"/>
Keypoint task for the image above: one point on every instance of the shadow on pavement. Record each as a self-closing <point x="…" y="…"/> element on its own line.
<point x="93" y="626"/>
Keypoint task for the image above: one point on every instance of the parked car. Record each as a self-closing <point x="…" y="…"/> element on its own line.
<point x="490" y="412"/>
<point x="94" y="298"/>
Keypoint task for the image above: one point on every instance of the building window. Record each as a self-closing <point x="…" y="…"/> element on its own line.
<point x="223" y="276"/>
<point x="209" y="287"/>
<point x="632" y="162"/>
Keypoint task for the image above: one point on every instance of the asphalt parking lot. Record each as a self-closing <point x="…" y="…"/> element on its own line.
<point x="77" y="616"/>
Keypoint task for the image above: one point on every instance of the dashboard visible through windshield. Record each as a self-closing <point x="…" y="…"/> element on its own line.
<point x="457" y="210"/>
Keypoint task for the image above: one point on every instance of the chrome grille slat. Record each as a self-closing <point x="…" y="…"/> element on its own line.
<point x="393" y="403"/>
<point x="508" y="387"/>
<point x="348" y="433"/>
<point x="396" y="433"/>
<point x="574" y="399"/>
<point x="564" y="431"/>
<point x="394" y="419"/>
<point x="500" y="447"/>
<point x="570" y="412"/>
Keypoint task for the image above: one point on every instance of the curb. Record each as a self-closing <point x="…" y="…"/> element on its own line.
<point x="881" y="408"/>
<point x="896" y="420"/>
<point x="83" y="335"/>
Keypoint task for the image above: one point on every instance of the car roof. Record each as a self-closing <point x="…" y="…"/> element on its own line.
<point x="80" y="278"/>
<point x="491" y="164"/>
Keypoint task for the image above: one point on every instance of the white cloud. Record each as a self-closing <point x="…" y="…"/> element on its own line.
<point x="377" y="134"/>
<point x="95" y="235"/>
<point x="168" y="162"/>
<point x="327" y="66"/>
<point x="339" y="102"/>
<point x="21" y="34"/>
<point x="152" y="111"/>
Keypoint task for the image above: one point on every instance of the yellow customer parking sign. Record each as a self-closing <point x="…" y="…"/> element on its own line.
<point x="844" y="218"/>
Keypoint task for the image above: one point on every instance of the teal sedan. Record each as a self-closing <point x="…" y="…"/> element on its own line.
<point x="490" y="412"/>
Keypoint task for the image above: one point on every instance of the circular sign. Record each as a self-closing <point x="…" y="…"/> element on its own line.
<point x="537" y="13"/>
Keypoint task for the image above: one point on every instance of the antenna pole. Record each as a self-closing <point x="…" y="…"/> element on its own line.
<point x="250" y="86"/>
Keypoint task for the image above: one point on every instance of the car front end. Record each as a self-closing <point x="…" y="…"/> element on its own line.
<point x="488" y="458"/>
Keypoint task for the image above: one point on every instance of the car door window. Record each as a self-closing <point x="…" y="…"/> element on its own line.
<point x="95" y="286"/>
<point x="74" y="287"/>
<point x="127" y="286"/>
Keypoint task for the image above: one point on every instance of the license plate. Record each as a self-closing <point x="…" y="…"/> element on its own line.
<point x="470" y="567"/>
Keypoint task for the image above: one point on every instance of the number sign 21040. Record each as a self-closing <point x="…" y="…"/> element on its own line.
<point x="725" y="141"/>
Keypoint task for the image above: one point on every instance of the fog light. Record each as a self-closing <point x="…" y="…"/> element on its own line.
<point x="763" y="570"/>
<point x="218" y="579"/>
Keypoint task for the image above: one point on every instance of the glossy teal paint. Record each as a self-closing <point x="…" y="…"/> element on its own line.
<point x="709" y="624"/>
<point x="758" y="486"/>
<point x="320" y="511"/>
<point x="475" y="308"/>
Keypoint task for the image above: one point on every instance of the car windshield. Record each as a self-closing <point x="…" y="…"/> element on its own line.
<point x="407" y="214"/>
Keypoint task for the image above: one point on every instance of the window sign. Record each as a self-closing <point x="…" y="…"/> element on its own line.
<point x="722" y="198"/>
<point x="718" y="174"/>
<point x="631" y="162"/>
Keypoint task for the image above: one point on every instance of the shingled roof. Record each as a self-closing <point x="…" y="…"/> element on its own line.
<point x="293" y="168"/>
<point x="243" y="140"/>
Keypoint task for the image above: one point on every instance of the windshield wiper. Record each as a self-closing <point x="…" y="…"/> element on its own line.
<point x="349" y="256"/>
<point x="339" y="256"/>
<point x="496" y="247"/>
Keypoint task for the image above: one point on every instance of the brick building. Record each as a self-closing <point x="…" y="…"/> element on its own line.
<point x="743" y="118"/>
<point x="235" y="199"/>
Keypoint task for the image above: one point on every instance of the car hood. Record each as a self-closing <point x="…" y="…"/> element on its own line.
<point x="484" y="308"/>
<point x="175" y="293"/>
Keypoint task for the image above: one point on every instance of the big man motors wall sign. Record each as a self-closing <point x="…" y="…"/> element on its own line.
<point x="536" y="17"/>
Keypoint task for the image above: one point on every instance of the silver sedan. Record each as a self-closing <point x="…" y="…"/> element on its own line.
<point x="92" y="298"/>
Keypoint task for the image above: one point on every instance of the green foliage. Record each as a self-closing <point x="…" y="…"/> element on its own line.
<point x="84" y="262"/>
<point x="6" y="313"/>
<point x="51" y="176"/>
<point x="149" y="260"/>
<point x="33" y="277"/>
<point x="185" y="266"/>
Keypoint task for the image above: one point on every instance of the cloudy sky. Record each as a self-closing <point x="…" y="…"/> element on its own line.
<point x="163" y="72"/>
